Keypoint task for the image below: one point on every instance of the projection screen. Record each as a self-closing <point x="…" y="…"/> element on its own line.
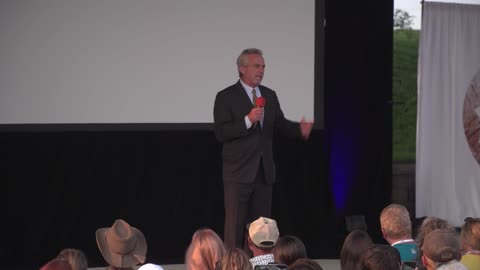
<point x="147" y="61"/>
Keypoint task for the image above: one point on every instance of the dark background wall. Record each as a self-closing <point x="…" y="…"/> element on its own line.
<point x="59" y="187"/>
<point x="358" y="90"/>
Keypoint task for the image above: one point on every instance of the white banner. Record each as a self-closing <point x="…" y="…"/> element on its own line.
<point x="448" y="118"/>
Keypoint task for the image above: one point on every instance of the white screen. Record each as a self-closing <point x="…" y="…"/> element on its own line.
<point x="147" y="61"/>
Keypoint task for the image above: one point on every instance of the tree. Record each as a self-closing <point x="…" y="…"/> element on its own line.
<point x="402" y="19"/>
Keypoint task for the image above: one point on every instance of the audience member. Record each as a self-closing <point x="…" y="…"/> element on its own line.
<point x="428" y="225"/>
<point x="397" y="231"/>
<point x="121" y="245"/>
<point x="75" y="257"/>
<point x="354" y="245"/>
<point x="288" y="249"/>
<point x="471" y="243"/>
<point x="380" y="257"/>
<point x="305" y="264"/>
<point x="56" y="265"/>
<point x="235" y="259"/>
<point x="205" y="250"/>
<point x="440" y="247"/>
<point x="262" y="237"/>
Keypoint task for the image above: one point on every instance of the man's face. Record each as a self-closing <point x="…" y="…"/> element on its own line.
<point x="252" y="73"/>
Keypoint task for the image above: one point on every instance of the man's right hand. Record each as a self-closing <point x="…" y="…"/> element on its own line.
<point x="255" y="115"/>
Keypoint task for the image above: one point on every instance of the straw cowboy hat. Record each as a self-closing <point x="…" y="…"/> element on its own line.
<point x="122" y="245"/>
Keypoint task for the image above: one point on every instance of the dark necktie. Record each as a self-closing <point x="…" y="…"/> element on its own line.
<point x="254" y="101"/>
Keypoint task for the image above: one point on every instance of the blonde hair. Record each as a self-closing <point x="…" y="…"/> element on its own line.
<point x="75" y="257"/>
<point x="395" y="221"/>
<point x="235" y="259"/>
<point x="471" y="232"/>
<point x="205" y="250"/>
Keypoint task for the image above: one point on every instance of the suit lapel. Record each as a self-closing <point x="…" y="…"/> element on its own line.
<point x="266" y="113"/>
<point x="244" y="99"/>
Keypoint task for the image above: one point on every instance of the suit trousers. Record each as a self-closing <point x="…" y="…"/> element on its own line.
<point x="244" y="203"/>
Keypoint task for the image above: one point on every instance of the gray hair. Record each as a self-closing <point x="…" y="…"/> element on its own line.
<point x="242" y="58"/>
<point x="395" y="221"/>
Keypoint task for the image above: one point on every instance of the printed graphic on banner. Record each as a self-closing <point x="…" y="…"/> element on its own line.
<point x="471" y="116"/>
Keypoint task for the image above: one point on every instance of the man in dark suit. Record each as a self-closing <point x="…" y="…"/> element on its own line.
<point x="246" y="132"/>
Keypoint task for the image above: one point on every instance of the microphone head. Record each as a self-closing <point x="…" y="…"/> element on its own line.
<point x="260" y="102"/>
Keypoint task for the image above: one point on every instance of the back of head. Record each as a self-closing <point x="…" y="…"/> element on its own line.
<point x="380" y="257"/>
<point x="56" y="265"/>
<point x="428" y="225"/>
<point x="75" y="257"/>
<point x="395" y="221"/>
<point x="122" y="245"/>
<point x="355" y="243"/>
<point x="441" y="246"/>
<point x="288" y="249"/>
<point x="305" y="264"/>
<point x="263" y="234"/>
<point x="235" y="259"/>
<point x="471" y="234"/>
<point x="205" y="250"/>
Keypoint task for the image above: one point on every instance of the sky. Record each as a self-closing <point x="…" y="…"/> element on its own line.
<point x="414" y="8"/>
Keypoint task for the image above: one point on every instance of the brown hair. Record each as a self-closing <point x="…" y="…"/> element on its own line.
<point x="428" y="225"/>
<point x="380" y="257"/>
<point x="305" y="264"/>
<point x="471" y="232"/>
<point x="288" y="249"/>
<point x="75" y="257"/>
<point x="354" y="245"/>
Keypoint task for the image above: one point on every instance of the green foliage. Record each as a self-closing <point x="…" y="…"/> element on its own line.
<point x="402" y="19"/>
<point x="405" y="59"/>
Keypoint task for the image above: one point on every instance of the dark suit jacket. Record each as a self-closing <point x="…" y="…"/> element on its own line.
<point x="244" y="148"/>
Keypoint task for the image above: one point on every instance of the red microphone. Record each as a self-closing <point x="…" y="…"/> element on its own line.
<point x="260" y="102"/>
